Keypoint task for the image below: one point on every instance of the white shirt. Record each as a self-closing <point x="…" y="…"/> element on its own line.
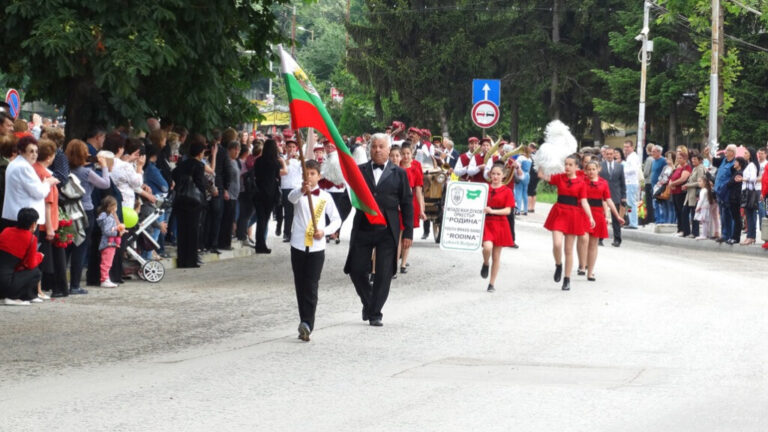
<point x="424" y="155"/>
<point x="750" y="180"/>
<point x="23" y="188"/>
<point x="292" y="179"/>
<point x="759" y="185"/>
<point x="302" y="219"/>
<point x="632" y="169"/>
<point x="359" y="155"/>
<point x="377" y="172"/>
<point x="127" y="181"/>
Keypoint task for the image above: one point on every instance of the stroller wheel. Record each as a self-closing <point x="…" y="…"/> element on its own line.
<point x="153" y="271"/>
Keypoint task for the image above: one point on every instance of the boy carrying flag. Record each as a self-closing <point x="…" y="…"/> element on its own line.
<point x="308" y="244"/>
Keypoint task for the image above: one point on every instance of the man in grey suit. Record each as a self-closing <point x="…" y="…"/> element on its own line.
<point x="612" y="171"/>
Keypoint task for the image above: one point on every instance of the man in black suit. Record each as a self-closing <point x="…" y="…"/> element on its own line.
<point x="613" y="172"/>
<point x="390" y="188"/>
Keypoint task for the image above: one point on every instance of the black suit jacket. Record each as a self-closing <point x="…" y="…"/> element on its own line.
<point x="393" y="194"/>
<point x="615" y="180"/>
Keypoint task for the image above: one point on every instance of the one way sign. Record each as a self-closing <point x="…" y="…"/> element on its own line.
<point x="486" y="89"/>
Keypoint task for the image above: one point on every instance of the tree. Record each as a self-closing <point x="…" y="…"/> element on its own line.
<point x="117" y="62"/>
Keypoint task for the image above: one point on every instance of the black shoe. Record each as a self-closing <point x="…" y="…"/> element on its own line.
<point x="630" y="227"/>
<point x="286" y="239"/>
<point x="376" y="322"/>
<point x="403" y="270"/>
<point x="78" y="291"/>
<point x="337" y="241"/>
<point x="263" y="250"/>
<point x="59" y="294"/>
<point x="731" y="242"/>
<point x="581" y="272"/>
<point x="558" y="272"/>
<point x="365" y="315"/>
<point x="216" y="251"/>
<point x="616" y="244"/>
<point x="515" y="246"/>
<point x="566" y="284"/>
<point x="424" y="236"/>
<point x="491" y="288"/>
<point x="600" y="242"/>
<point x="484" y="271"/>
<point x="278" y="230"/>
<point x="591" y="278"/>
<point x="304" y="331"/>
<point x="721" y="240"/>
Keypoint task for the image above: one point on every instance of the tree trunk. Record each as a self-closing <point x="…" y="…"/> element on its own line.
<point x="80" y="112"/>
<point x="597" y="130"/>
<point x="672" y="127"/>
<point x="514" y="119"/>
<point x="377" y="109"/>
<point x="444" y="123"/>
<point x="554" y="106"/>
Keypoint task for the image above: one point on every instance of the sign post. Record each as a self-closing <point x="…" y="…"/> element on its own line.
<point x="486" y="98"/>
<point x="463" y="216"/>
<point x="13" y="99"/>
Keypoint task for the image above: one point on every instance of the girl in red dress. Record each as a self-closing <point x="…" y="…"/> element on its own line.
<point x="598" y="194"/>
<point x="569" y="218"/>
<point x="496" y="233"/>
<point x="416" y="180"/>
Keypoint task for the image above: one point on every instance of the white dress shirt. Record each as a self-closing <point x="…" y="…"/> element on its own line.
<point x="292" y="179"/>
<point x="632" y="169"/>
<point x="23" y="188"/>
<point x="459" y="169"/>
<point x="127" y="181"/>
<point x="302" y="218"/>
<point x="377" y="172"/>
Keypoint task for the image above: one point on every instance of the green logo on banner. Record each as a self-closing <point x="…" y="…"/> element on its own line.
<point x="473" y="194"/>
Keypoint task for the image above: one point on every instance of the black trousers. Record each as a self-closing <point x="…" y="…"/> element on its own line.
<point x="246" y="211"/>
<point x="689" y="214"/>
<point x="78" y="254"/>
<point x="17" y="285"/>
<point x="214" y="221"/>
<point x="616" y="226"/>
<point x="188" y="220"/>
<point x="343" y="205"/>
<point x="511" y="219"/>
<point x="735" y="210"/>
<point x="262" y="221"/>
<point x="54" y="266"/>
<point x="683" y="225"/>
<point x="227" y="220"/>
<point x="307" y="267"/>
<point x="649" y="215"/>
<point x="287" y="216"/>
<point x="360" y="251"/>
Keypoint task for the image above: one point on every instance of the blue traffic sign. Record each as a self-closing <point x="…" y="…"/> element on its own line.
<point x="486" y="89"/>
<point x="13" y="99"/>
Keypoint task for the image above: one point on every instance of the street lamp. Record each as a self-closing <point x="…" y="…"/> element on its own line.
<point x="311" y="35"/>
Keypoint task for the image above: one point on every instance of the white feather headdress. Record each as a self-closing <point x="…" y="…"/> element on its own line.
<point x="559" y="143"/>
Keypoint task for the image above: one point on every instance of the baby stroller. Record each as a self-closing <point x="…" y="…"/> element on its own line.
<point x="149" y="270"/>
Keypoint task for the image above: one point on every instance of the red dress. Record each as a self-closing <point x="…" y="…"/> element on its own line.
<point x="597" y="192"/>
<point x="496" y="229"/>
<point x="415" y="178"/>
<point x="567" y="215"/>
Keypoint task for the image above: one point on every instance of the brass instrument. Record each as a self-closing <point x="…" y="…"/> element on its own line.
<point x="494" y="149"/>
<point x="517" y="151"/>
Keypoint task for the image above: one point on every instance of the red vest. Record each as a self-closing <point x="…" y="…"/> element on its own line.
<point x="479" y="177"/>
<point x="464" y="158"/>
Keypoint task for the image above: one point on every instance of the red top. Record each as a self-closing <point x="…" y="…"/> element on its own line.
<point x="676" y="174"/>
<point x="598" y="189"/>
<point x="22" y="244"/>
<point x="499" y="198"/>
<point x="765" y="182"/>
<point x="52" y="198"/>
<point x="415" y="175"/>
<point x="575" y="187"/>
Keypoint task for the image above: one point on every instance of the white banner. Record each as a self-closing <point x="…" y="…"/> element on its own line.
<point x="463" y="216"/>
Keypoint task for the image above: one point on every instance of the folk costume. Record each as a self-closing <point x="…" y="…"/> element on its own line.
<point x="567" y="215"/>
<point x="496" y="228"/>
<point x="597" y="193"/>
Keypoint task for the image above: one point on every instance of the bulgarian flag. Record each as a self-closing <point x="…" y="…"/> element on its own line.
<point x="308" y="111"/>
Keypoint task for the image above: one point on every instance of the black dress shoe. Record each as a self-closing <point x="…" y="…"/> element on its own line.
<point x="424" y="236"/>
<point x="337" y="241"/>
<point x="491" y="288"/>
<point x="591" y="278"/>
<point x="581" y="272"/>
<point x="600" y="242"/>
<point x="616" y="244"/>
<point x="566" y="284"/>
<point x="376" y="322"/>
<point x="59" y="294"/>
<point x="365" y="315"/>
<point x="403" y="270"/>
<point x="263" y="250"/>
<point x="484" y="271"/>
<point x="515" y="246"/>
<point x="558" y="272"/>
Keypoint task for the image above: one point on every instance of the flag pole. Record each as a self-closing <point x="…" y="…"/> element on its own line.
<point x="304" y="179"/>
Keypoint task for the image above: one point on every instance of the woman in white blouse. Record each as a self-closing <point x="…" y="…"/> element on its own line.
<point x="749" y="184"/>
<point x="126" y="176"/>
<point x="23" y="188"/>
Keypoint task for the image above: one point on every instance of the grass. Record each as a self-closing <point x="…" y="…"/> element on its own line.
<point x="546" y="193"/>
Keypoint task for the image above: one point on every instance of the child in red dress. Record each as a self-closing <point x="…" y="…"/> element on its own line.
<point x="496" y="232"/>
<point x="569" y="218"/>
<point x="598" y="194"/>
<point x="416" y="180"/>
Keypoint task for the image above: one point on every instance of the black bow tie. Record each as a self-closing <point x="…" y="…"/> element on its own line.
<point x="378" y="166"/>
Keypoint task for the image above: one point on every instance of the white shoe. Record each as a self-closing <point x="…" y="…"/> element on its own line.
<point x="44" y="296"/>
<point x="36" y="300"/>
<point x="12" y="302"/>
<point x="701" y="238"/>
<point x="108" y="284"/>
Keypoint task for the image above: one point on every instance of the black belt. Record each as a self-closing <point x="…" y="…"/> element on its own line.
<point x="595" y="202"/>
<point x="568" y="200"/>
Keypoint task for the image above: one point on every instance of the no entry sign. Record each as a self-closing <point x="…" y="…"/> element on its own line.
<point x="485" y="114"/>
<point x="13" y="99"/>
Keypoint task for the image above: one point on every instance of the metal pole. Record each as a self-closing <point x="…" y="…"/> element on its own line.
<point x="713" y="78"/>
<point x="643" y="80"/>
<point x="293" y="32"/>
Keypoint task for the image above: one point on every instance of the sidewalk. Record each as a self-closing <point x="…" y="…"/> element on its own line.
<point x="645" y="234"/>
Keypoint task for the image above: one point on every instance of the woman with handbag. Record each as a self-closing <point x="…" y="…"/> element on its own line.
<point x="661" y="191"/>
<point x="189" y="198"/>
<point x="267" y="170"/>
<point x="733" y="198"/>
<point x="750" y="195"/>
<point x="678" y="178"/>
<point x="691" y="188"/>
<point x="90" y="179"/>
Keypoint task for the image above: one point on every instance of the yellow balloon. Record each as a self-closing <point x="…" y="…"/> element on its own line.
<point x="130" y="218"/>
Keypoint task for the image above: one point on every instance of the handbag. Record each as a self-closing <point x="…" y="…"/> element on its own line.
<point x="187" y="193"/>
<point x="73" y="190"/>
<point x="749" y="199"/>
<point x="663" y="193"/>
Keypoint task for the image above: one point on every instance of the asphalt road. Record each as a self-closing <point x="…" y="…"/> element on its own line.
<point x="665" y="340"/>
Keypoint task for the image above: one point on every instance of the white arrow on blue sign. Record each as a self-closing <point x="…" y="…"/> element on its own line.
<point x="486" y="89"/>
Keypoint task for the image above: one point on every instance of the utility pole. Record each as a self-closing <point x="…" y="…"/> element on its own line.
<point x="346" y="43"/>
<point x="643" y="36"/>
<point x="713" y="78"/>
